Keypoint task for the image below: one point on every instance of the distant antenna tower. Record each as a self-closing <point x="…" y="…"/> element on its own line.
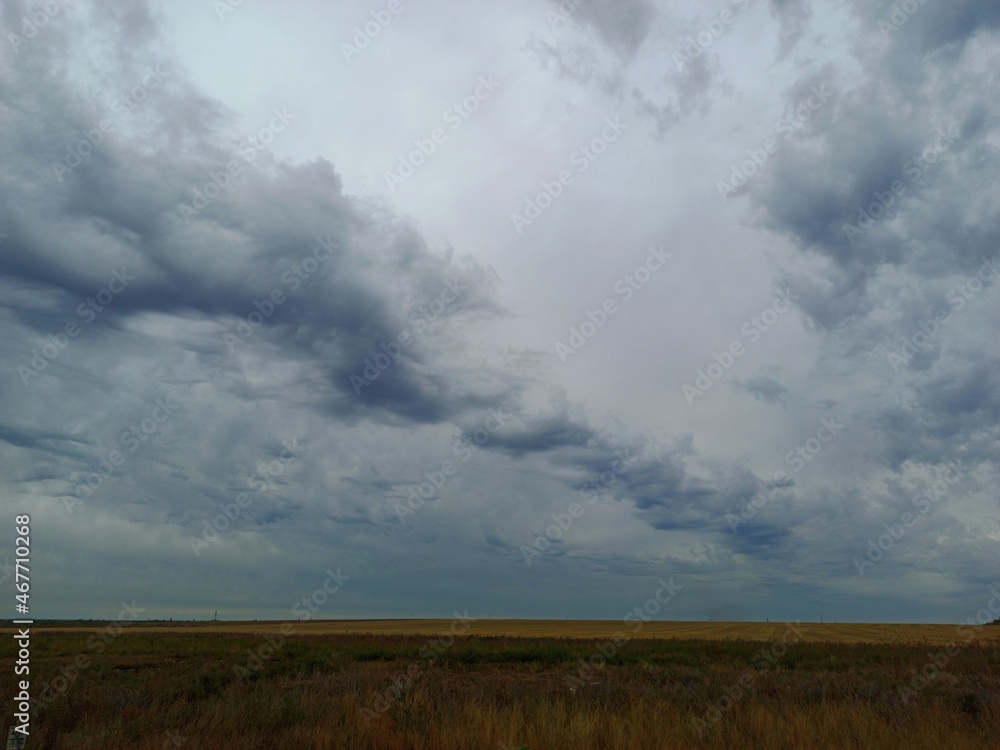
<point x="216" y="615"/>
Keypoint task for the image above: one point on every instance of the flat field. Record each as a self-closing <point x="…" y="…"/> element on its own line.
<point x="544" y="685"/>
<point x="690" y="630"/>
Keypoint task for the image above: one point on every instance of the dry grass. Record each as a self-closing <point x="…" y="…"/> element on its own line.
<point x="710" y="631"/>
<point x="146" y="688"/>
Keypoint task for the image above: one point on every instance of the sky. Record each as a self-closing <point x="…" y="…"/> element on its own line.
<point x="534" y="309"/>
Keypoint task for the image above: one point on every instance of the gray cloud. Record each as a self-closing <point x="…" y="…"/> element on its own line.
<point x="195" y="318"/>
<point x="793" y="17"/>
<point x="765" y="388"/>
<point x="623" y="26"/>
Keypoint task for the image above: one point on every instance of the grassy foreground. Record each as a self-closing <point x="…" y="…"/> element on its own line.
<point x="146" y="689"/>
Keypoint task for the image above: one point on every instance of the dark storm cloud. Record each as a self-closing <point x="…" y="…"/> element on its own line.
<point x="891" y="191"/>
<point x="651" y="477"/>
<point x="953" y="415"/>
<point x="27" y="437"/>
<point x="882" y="179"/>
<point x="90" y="203"/>
<point x="660" y="483"/>
<point x="689" y="91"/>
<point x="622" y="24"/>
<point x="793" y="17"/>
<point x="540" y="435"/>
<point x="623" y="28"/>
<point x="762" y="540"/>
<point x="664" y="494"/>
<point x="763" y="388"/>
<point x="922" y="29"/>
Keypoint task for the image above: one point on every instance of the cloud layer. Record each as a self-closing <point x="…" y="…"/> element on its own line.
<point x="232" y="361"/>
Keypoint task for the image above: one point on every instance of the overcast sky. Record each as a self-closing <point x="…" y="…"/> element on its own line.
<point x="516" y="308"/>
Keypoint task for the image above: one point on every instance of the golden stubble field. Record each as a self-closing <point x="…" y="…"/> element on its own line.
<point x="693" y="630"/>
